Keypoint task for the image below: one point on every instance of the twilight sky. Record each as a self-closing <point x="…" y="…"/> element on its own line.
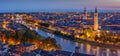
<point x="57" y="4"/>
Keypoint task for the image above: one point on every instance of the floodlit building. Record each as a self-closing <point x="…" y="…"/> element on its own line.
<point x="96" y="25"/>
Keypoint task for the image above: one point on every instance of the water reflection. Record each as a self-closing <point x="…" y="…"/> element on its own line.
<point x="84" y="48"/>
<point x="88" y="49"/>
<point x="118" y="52"/>
<point x="36" y="29"/>
<point x="108" y="51"/>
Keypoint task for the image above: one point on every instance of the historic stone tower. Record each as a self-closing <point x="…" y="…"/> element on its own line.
<point x="85" y="14"/>
<point x="96" y="20"/>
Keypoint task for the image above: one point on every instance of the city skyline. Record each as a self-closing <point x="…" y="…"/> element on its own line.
<point x="59" y="27"/>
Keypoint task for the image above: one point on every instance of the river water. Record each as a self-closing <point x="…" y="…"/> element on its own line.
<point x="68" y="45"/>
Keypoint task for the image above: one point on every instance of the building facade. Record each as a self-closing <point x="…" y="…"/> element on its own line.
<point x="96" y="25"/>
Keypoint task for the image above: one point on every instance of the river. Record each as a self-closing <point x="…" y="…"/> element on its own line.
<point x="68" y="45"/>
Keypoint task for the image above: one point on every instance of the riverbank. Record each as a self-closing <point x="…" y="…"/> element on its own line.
<point x="66" y="53"/>
<point x="104" y="45"/>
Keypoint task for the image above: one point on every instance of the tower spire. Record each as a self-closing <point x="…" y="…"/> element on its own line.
<point x="96" y="24"/>
<point x="85" y="13"/>
<point x="96" y="10"/>
<point x="84" y="9"/>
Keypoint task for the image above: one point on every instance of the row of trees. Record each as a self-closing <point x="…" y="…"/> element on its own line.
<point x="26" y="35"/>
<point x="108" y="37"/>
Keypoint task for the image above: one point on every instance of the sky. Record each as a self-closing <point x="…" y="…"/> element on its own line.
<point x="6" y="5"/>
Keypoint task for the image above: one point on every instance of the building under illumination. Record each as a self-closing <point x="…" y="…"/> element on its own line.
<point x="96" y="25"/>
